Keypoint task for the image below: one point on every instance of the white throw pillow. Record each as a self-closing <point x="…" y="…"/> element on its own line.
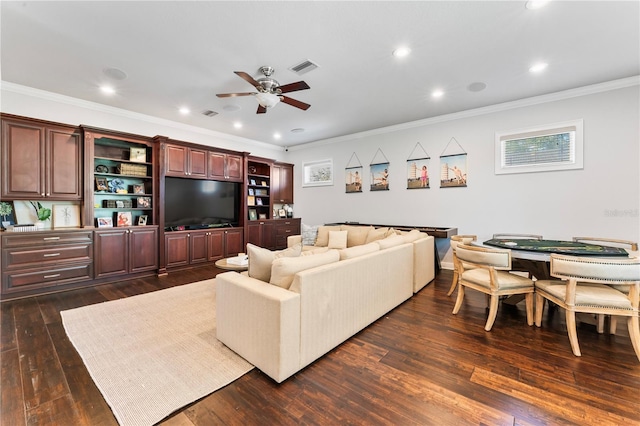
<point x="309" y="234"/>
<point x="337" y="239"/>
<point x="351" y="252"/>
<point x="323" y="235"/>
<point x="283" y="269"/>
<point x="260" y="259"/>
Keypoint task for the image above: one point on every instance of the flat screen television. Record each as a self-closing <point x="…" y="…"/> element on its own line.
<point x="194" y="203"/>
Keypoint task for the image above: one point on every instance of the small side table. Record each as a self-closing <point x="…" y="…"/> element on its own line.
<point x="223" y="264"/>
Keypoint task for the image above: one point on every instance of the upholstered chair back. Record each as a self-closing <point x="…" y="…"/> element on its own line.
<point x="499" y="259"/>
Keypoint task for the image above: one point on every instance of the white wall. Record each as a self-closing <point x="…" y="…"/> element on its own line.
<point x="600" y="200"/>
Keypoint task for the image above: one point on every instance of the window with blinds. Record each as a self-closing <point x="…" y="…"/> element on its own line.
<point x="546" y="148"/>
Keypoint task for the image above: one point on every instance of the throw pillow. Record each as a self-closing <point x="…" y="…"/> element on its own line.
<point x="337" y="239"/>
<point x="284" y="269"/>
<point x="411" y="236"/>
<point x="356" y="235"/>
<point x="392" y="241"/>
<point x="314" y="251"/>
<point x="260" y="259"/>
<point x="376" y="234"/>
<point x="351" y="252"/>
<point x="309" y="234"/>
<point x="323" y="235"/>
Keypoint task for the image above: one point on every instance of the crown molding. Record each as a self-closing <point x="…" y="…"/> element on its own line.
<point x="94" y="106"/>
<point x="536" y="100"/>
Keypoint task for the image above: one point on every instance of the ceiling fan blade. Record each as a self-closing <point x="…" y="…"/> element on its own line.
<point x="261" y="110"/>
<point x="292" y="87"/>
<point x="248" y="78"/>
<point x="233" y="95"/>
<point x="294" y="103"/>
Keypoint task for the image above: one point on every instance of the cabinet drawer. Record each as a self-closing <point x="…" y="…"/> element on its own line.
<point x="46" y="238"/>
<point x="287" y="230"/>
<point x="47" y="255"/>
<point x="42" y="278"/>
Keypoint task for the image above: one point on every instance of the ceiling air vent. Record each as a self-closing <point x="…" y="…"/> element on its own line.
<point x="304" y="67"/>
<point x="209" y="113"/>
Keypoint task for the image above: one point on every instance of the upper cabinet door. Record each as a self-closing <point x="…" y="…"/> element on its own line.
<point x="234" y="168"/>
<point x="40" y="161"/>
<point x="282" y="183"/>
<point x="225" y="166"/>
<point x="197" y="163"/>
<point x="176" y="160"/>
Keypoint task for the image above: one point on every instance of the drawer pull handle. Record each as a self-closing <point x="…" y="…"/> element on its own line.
<point x="52" y="276"/>
<point x="51" y="238"/>
<point x="52" y="255"/>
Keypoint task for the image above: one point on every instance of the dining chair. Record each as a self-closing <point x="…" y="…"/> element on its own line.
<point x="486" y="270"/>
<point x="454" y="241"/>
<point x="630" y="246"/>
<point x="522" y="236"/>
<point x="585" y="286"/>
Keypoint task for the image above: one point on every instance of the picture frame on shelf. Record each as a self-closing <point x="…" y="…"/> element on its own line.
<point x="262" y="216"/>
<point x="8" y="214"/>
<point x="142" y="220"/>
<point x="65" y="216"/>
<point x="138" y="155"/>
<point x="253" y="214"/>
<point x="252" y="182"/>
<point x="138" y="188"/>
<point x="143" y="202"/>
<point x="259" y="201"/>
<point x="104" y="222"/>
<point x="264" y="183"/>
<point x="251" y="192"/>
<point x="251" y="200"/>
<point x="119" y="204"/>
<point x="102" y="184"/>
<point x="282" y="213"/>
<point x="124" y="219"/>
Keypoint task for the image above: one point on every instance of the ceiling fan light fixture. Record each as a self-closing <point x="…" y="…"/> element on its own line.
<point x="267" y="100"/>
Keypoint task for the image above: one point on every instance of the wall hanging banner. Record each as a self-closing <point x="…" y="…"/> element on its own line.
<point x="353" y="177"/>
<point x="379" y="173"/>
<point x="453" y="171"/>
<point x="418" y="168"/>
<point x="454" y="151"/>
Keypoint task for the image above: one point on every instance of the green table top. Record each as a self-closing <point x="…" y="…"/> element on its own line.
<point x="554" y="246"/>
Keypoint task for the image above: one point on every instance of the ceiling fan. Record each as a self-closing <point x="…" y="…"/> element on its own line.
<point x="269" y="93"/>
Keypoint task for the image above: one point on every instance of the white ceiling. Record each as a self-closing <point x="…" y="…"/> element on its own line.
<point x="183" y="53"/>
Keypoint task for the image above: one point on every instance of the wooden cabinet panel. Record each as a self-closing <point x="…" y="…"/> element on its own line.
<point x="143" y="243"/>
<point x="47" y="255"/>
<point x="282" y="183"/>
<point x="260" y="233"/>
<point x="40" y="161"/>
<point x="283" y="229"/>
<point x="234" y="242"/>
<point x="198" y="247"/>
<point x="225" y="166"/>
<point x="216" y="246"/>
<point x="44" y="278"/>
<point x="217" y="165"/>
<point x="176" y="160"/>
<point x="111" y="254"/>
<point x="197" y="163"/>
<point x="234" y="168"/>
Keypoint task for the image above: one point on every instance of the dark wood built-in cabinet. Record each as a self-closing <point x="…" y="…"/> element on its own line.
<point x="122" y="251"/>
<point x="183" y="161"/>
<point x="225" y="166"/>
<point x="40" y="160"/>
<point x="189" y="248"/>
<point x="272" y="233"/>
<point x="282" y="183"/>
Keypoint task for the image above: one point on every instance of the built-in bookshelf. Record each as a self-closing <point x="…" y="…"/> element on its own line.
<point x="259" y="190"/>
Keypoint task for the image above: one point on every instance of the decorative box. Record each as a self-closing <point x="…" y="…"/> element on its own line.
<point x="117" y="204"/>
<point x="132" y="169"/>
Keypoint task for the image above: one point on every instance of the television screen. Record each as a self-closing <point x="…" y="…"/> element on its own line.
<point x="196" y="203"/>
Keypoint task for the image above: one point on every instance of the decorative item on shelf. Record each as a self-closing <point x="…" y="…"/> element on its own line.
<point x="253" y="214"/>
<point x="66" y="216"/>
<point x="251" y="191"/>
<point x="252" y="182"/>
<point x="104" y="222"/>
<point x="143" y="202"/>
<point x="259" y="201"/>
<point x="132" y="169"/>
<point x="262" y="216"/>
<point x="116" y="184"/>
<point x="42" y="213"/>
<point x="137" y="189"/>
<point x="138" y="155"/>
<point x="282" y="213"/>
<point x="142" y="220"/>
<point x="251" y="200"/>
<point x="252" y="169"/>
<point x="7" y="213"/>
<point x="117" y="204"/>
<point x="289" y="211"/>
<point x="124" y="219"/>
<point x="102" y="184"/>
<point x="264" y="183"/>
<point x="101" y="168"/>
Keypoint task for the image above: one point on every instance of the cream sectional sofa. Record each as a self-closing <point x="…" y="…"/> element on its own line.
<point x="283" y="325"/>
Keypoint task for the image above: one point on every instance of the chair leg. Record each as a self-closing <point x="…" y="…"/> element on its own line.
<point x="613" y="324"/>
<point x="634" y="333"/>
<point x="573" y="334"/>
<point x="528" y="300"/>
<point x="539" y="309"/>
<point x="458" y="304"/>
<point x="601" y="323"/>
<point x="493" y="311"/>
<point x="454" y="283"/>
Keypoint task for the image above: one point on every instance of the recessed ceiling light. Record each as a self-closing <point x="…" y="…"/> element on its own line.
<point x="437" y="93"/>
<point x="536" y="4"/>
<point x="297" y="130"/>
<point x="107" y="90"/>
<point x="540" y="66"/>
<point x="184" y="110"/>
<point x="401" y="52"/>
<point x="277" y="136"/>
<point x="237" y="125"/>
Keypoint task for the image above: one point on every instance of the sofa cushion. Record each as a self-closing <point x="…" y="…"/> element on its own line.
<point x="391" y="241"/>
<point x="308" y="251"/>
<point x="337" y="239"/>
<point x="309" y="234"/>
<point x="351" y="252"/>
<point x="284" y="268"/>
<point x="376" y="234"/>
<point x="323" y="235"/>
<point x="260" y="259"/>
<point x="412" y="235"/>
<point x="356" y="235"/>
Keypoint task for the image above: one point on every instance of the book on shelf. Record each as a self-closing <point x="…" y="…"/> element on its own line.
<point x="251" y="200"/>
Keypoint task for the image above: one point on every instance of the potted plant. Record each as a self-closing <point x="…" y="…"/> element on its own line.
<point x="42" y="213"/>
<point x="5" y="213"/>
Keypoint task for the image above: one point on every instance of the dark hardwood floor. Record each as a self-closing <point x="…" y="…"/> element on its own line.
<point x="417" y="365"/>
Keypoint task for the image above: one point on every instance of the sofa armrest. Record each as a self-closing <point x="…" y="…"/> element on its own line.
<point x="260" y="322"/>
<point x="424" y="270"/>
<point x="292" y="240"/>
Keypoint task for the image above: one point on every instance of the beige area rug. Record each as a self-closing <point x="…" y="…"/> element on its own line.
<point x="154" y="353"/>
